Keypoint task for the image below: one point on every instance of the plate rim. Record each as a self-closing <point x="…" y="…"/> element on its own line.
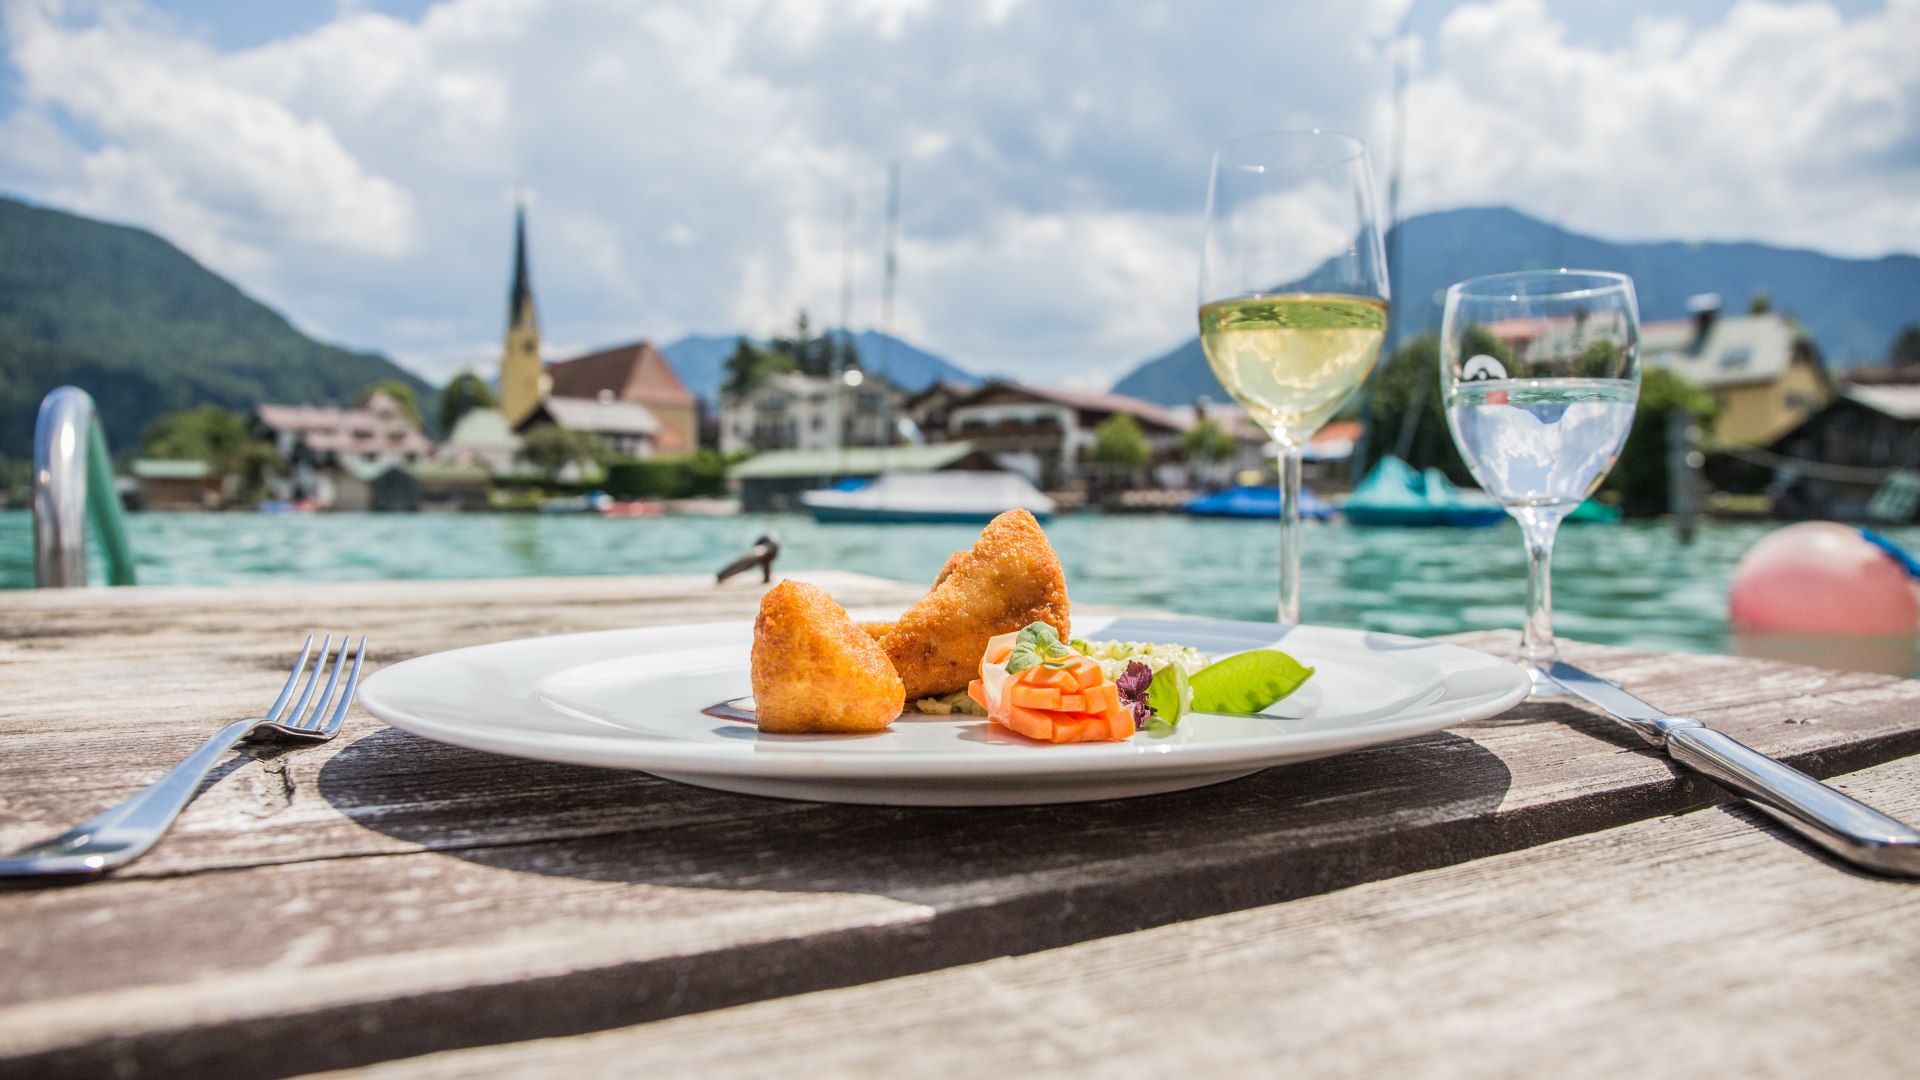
<point x="734" y="759"/>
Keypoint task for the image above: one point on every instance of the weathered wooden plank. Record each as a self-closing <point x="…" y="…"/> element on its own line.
<point x="1704" y="945"/>
<point x="396" y="896"/>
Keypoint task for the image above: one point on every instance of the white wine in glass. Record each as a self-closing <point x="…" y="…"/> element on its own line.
<point x="1293" y="295"/>
<point x="1293" y="360"/>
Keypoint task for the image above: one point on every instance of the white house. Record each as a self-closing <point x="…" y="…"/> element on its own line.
<point x="791" y="411"/>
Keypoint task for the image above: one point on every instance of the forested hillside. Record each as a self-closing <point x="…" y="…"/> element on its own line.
<point x="146" y="330"/>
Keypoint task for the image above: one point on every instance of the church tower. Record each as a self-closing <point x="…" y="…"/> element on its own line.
<point x="522" y="379"/>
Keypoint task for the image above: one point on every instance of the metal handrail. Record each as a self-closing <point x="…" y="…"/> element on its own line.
<point x="72" y="483"/>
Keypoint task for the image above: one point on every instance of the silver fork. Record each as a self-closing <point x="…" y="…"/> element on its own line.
<point x="127" y="831"/>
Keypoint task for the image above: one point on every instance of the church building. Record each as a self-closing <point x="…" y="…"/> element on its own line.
<point x="629" y="390"/>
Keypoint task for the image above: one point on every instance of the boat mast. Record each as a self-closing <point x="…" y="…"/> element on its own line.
<point x="890" y="268"/>
<point x="1410" y="422"/>
<point x="836" y="356"/>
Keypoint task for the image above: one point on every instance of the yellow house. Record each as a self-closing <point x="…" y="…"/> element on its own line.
<point x="1764" y="372"/>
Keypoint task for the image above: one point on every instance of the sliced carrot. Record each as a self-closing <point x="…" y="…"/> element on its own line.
<point x="1086" y="671"/>
<point x="1037" y="697"/>
<point x="1059" y="678"/>
<point x="1032" y="724"/>
<point x="1059" y="701"/>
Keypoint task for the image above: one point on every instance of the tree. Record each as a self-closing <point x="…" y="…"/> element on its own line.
<point x="1906" y="347"/>
<point x="1761" y="304"/>
<point x="1641" y="477"/>
<point x="464" y="393"/>
<point x="817" y="356"/>
<point x="251" y="467"/>
<point x="841" y="353"/>
<point x="16" y="481"/>
<point x="551" y="448"/>
<point x="219" y="437"/>
<point x="1206" y="444"/>
<point x="799" y="347"/>
<point x="208" y="433"/>
<point x="400" y="392"/>
<point x="1119" y="445"/>
<point x="1404" y="409"/>
<point x="748" y="365"/>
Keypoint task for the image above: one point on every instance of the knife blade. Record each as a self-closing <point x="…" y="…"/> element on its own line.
<point x="1842" y="825"/>
<point x="1624" y="706"/>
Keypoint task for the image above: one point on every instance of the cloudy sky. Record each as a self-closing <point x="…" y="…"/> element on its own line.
<point x="351" y="163"/>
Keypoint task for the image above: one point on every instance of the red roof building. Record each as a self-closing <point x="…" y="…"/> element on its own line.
<point x="638" y="374"/>
<point x="1054" y="428"/>
<point x="378" y="429"/>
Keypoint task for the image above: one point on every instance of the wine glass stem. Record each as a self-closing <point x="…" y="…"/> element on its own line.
<point x="1291" y="456"/>
<point x="1536" y="634"/>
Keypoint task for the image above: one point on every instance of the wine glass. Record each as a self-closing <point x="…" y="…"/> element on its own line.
<point x="1540" y="373"/>
<point x="1293" y="295"/>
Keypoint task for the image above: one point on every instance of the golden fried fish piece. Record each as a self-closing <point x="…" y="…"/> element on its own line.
<point x="1011" y="578"/>
<point x="814" y="670"/>
<point x="880" y="630"/>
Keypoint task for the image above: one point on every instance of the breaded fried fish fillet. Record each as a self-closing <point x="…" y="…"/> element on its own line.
<point x="815" y="670"/>
<point x="1011" y="578"/>
<point x="879" y="630"/>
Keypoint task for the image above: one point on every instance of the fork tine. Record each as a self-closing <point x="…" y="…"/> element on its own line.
<point x="292" y="719"/>
<point x="300" y="665"/>
<point x="353" y="680"/>
<point x="311" y="721"/>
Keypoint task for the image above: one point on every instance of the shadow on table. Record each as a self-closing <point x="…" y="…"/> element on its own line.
<point x="1287" y="831"/>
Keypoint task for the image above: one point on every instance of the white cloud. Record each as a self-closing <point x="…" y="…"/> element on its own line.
<point x="692" y="158"/>
<point x="236" y="172"/>
<point x="1783" y="123"/>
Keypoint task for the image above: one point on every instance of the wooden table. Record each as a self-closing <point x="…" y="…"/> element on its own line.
<point x="1531" y="892"/>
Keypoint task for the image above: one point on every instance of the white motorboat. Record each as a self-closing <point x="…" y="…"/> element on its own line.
<point x="958" y="497"/>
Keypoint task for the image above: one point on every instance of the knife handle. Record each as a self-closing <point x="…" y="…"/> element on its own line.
<point x="1849" y="829"/>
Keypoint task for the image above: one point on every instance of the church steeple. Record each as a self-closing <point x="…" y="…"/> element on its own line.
<point x="521" y="376"/>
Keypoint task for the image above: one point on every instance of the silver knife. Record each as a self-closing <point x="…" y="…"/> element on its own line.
<point x="1851" y="830"/>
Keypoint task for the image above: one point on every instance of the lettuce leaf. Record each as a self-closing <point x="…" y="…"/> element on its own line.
<point x="1167" y="694"/>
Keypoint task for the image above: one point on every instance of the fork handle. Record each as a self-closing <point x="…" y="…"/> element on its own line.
<point x="1844" y="826"/>
<point x="127" y="831"/>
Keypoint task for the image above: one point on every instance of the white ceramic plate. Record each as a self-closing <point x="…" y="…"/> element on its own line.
<point x="632" y="699"/>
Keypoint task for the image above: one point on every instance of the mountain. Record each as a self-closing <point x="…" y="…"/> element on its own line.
<point x="701" y="361"/>
<point x="146" y="330"/>
<point x="1852" y="308"/>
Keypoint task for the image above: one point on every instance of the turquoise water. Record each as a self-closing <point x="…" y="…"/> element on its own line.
<point x="1630" y="584"/>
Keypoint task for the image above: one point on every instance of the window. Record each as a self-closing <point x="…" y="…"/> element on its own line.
<point x="1734" y="358"/>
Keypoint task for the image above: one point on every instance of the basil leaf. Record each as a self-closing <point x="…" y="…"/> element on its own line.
<point x="1021" y="660"/>
<point x="1037" y="642"/>
<point x="1248" y="682"/>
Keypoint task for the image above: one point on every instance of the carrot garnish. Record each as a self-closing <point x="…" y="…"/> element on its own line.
<point x="1034" y="684"/>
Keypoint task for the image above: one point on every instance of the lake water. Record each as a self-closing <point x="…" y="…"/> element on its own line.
<point x="1631" y="584"/>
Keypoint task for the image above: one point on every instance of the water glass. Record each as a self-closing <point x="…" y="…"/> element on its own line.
<point x="1540" y="374"/>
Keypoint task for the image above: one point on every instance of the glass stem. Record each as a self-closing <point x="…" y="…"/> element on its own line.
<point x="1291" y="456"/>
<point x="1536" y="634"/>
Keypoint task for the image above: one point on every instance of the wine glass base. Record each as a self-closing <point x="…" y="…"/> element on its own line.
<point x="1544" y="687"/>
